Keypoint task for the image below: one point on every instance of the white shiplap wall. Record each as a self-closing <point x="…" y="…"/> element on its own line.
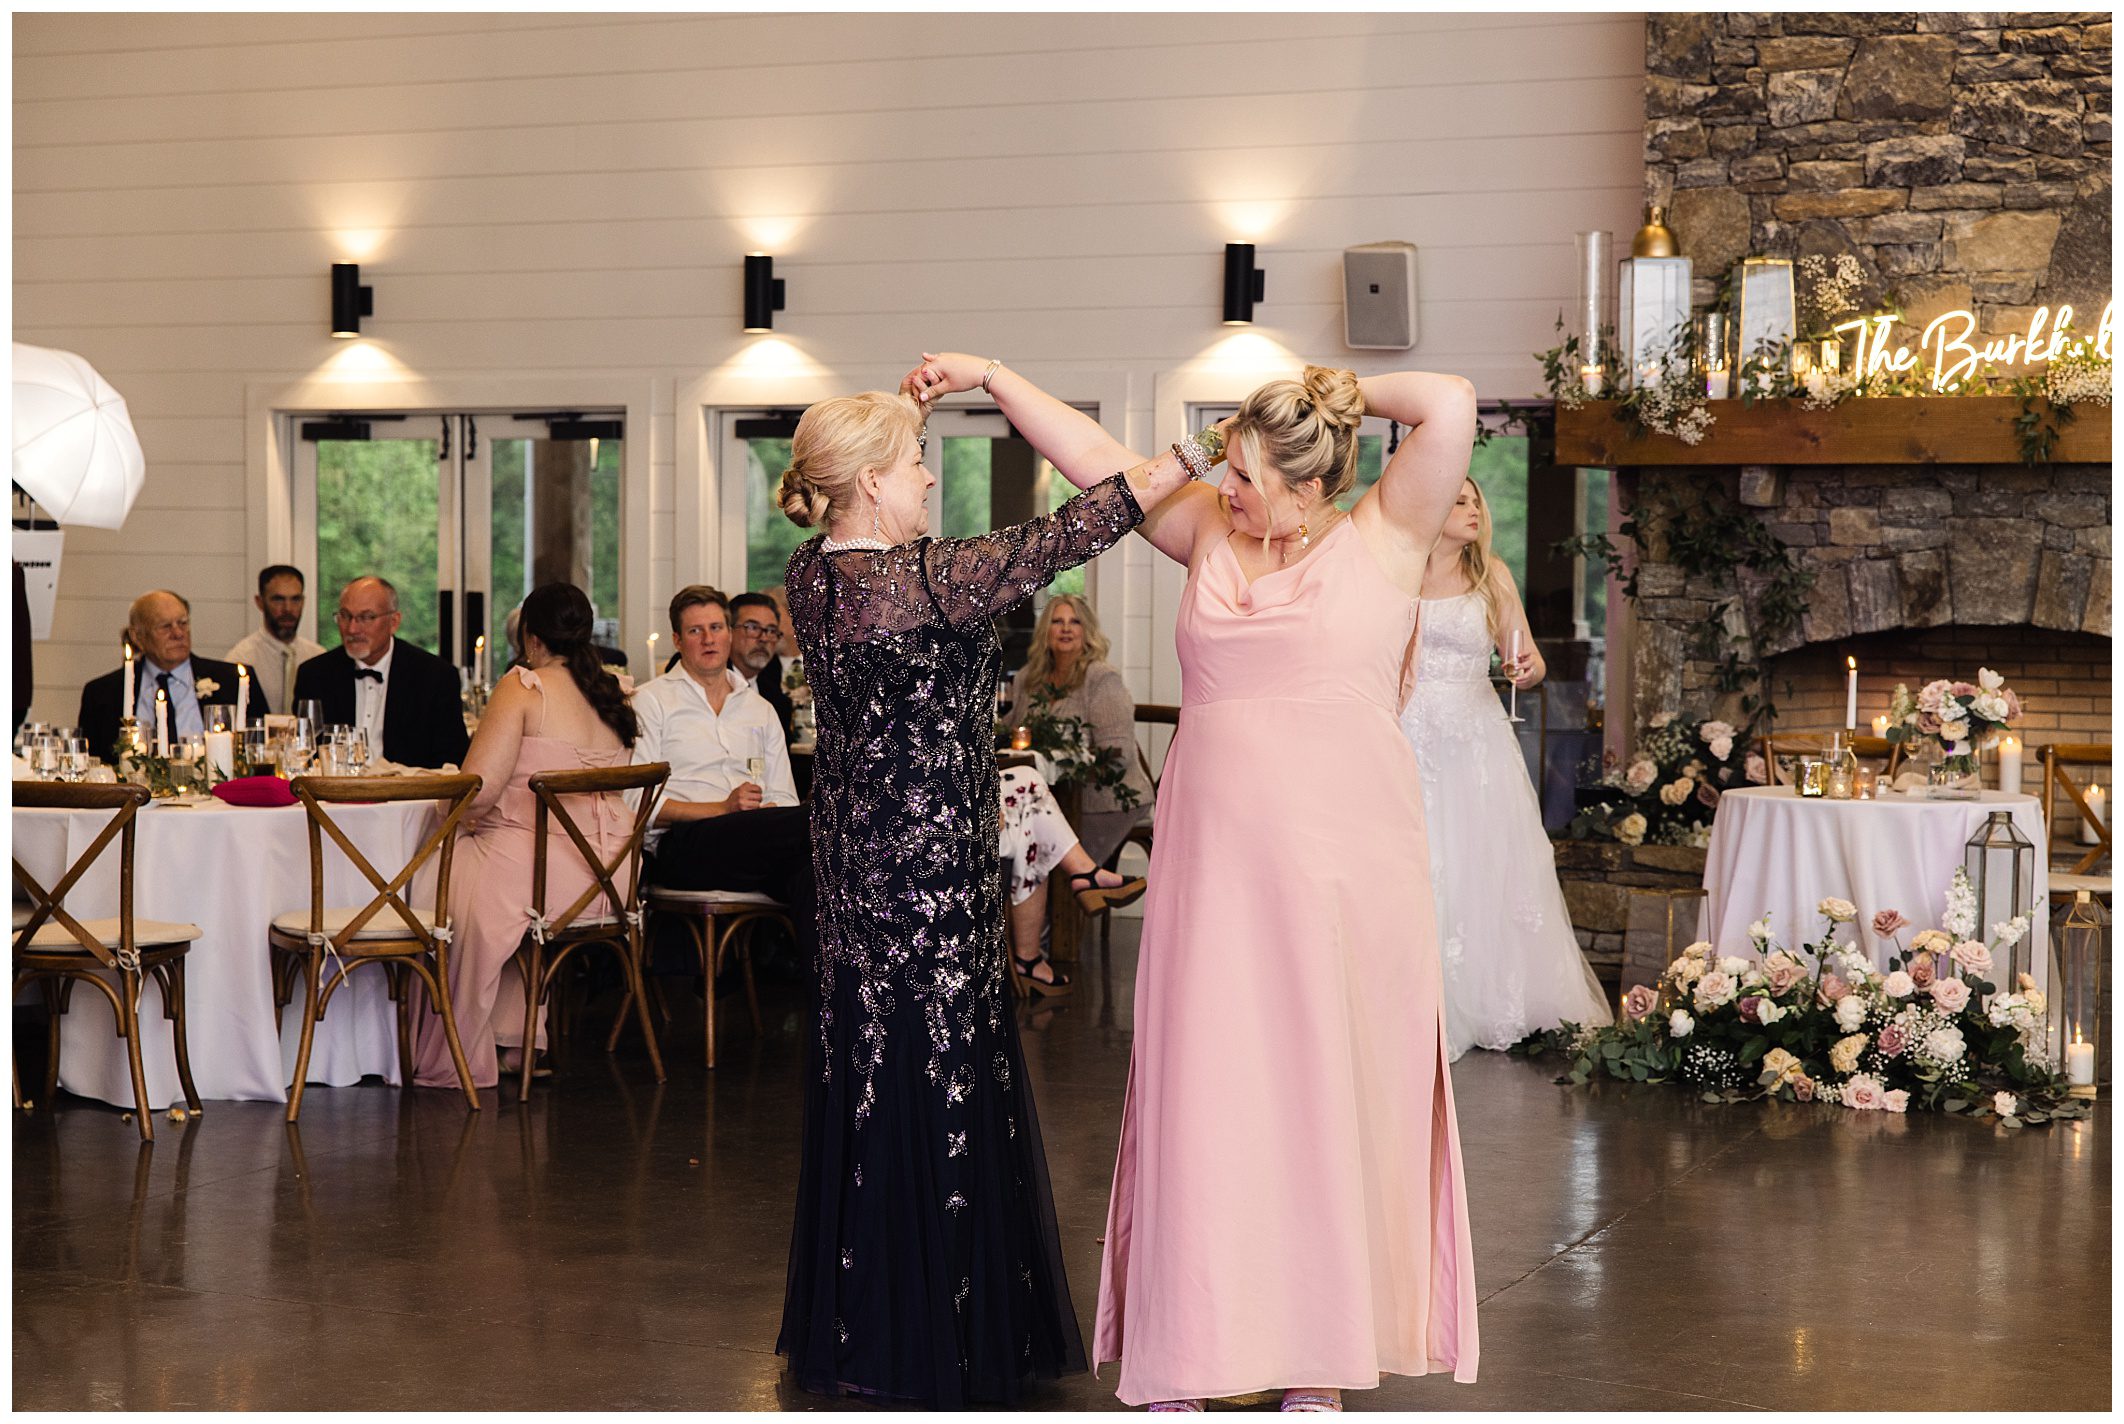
<point x="557" y="199"/>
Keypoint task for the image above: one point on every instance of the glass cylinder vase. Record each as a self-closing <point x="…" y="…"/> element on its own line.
<point x="2080" y="946"/>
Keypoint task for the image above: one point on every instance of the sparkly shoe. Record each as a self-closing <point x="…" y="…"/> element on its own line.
<point x="1308" y="1401"/>
<point x="1178" y="1406"/>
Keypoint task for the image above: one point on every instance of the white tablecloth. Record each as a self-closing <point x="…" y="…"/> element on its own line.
<point x="1774" y="850"/>
<point x="228" y="870"/>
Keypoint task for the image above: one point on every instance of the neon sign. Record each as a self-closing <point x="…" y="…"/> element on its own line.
<point x="1955" y="357"/>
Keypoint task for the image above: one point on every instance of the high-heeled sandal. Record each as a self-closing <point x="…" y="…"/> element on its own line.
<point x="1178" y="1406"/>
<point x="1096" y="898"/>
<point x="1306" y="1401"/>
<point x="1029" y="978"/>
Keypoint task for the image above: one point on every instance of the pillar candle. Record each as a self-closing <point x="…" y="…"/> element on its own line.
<point x="652" y="657"/>
<point x="128" y="650"/>
<point x="1594" y="379"/>
<point x="479" y="660"/>
<point x="162" y="723"/>
<point x="2098" y="804"/>
<point x="243" y="695"/>
<point x="1851" y="696"/>
<point x="2010" y="766"/>
<point x="221" y="753"/>
<point x="2079" y="1063"/>
<point x="1880" y="725"/>
<point x="1718" y="384"/>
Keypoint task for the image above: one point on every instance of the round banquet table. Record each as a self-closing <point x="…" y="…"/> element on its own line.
<point x="1776" y="851"/>
<point x="228" y="870"/>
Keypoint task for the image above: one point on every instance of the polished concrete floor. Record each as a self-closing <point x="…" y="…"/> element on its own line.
<point x="619" y="1245"/>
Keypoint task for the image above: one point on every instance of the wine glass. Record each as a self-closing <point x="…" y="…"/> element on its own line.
<point x="26" y="736"/>
<point x="311" y="710"/>
<point x="74" y="758"/>
<point x="355" y="751"/>
<point x="44" y="755"/>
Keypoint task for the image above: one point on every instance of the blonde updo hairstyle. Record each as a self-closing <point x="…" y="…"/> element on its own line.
<point x="835" y="442"/>
<point x="1303" y="430"/>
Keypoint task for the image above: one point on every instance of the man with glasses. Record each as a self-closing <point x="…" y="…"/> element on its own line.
<point x="159" y="627"/>
<point x="404" y="698"/>
<point x="275" y="650"/>
<point x="755" y="643"/>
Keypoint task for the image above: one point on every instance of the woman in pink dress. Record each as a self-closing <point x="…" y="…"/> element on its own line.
<point x="1288" y="1209"/>
<point x="560" y="711"/>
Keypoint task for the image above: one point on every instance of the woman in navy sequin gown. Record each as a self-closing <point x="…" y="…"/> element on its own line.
<point x="925" y="1265"/>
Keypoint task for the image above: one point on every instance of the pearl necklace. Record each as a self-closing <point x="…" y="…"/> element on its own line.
<point x="835" y="546"/>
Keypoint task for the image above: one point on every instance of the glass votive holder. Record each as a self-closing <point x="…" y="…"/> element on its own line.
<point x="1813" y="777"/>
<point x="1866" y="784"/>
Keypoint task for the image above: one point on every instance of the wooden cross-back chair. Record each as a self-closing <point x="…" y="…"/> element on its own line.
<point x="715" y="919"/>
<point x="389" y="930"/>
<point x="554" y="938"/>
<point x="56" y="950"/>
<point x="1815" y="743"/>
<point x="2057" y="758"/>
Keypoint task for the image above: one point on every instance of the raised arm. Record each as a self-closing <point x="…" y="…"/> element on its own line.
<point x="978" y="578"/>
<point x="1420" y="483"/>
<point x="1174" y="508"/>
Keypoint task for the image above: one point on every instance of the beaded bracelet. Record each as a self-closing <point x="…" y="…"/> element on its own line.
<point x="1192" y="457"/>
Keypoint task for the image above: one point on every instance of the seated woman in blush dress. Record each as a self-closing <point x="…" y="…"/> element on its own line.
<point x="559" y="711"/>
<point x="1067" y="675"/>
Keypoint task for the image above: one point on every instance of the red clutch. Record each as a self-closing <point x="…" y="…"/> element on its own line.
<point x="256" y="791"/>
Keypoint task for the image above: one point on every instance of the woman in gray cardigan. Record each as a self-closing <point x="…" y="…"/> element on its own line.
<point x="1067" y="671"/>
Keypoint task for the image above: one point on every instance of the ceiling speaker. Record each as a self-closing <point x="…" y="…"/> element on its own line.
<point x="1379" y="296"/>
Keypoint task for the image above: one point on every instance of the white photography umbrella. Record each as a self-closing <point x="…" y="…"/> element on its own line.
<point x="75" y="450"/>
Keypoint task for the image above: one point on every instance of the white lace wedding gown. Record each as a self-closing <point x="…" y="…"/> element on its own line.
<point x="1511" y="963"/>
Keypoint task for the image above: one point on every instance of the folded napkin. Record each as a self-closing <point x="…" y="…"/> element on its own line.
<point x="256" y="791"/>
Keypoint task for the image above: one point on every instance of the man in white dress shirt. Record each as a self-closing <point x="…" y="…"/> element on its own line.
<point x="728" y="818"/>
<point x="274" y="651"/>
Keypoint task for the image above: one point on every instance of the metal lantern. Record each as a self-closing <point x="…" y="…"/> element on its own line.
<point x="2000" y="863"/>
<point x="1766" y="314"/>
<point x="2080" y="944"/>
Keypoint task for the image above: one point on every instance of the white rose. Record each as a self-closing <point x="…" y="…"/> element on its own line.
<point x="1642" y="773"/>
<point x="2005" y="1104"/>
<point x="1850" y="1012"/>
<point x="1952" y="995"/>
<point x="1630" y="830"/>
<point x="1945" y="1044"/>
<point x="1844" y="1055"/>
<point x="1989" y="705"/>
<point x="1734" y="966"/>
<point x="1955" y="731"/>
<point x="1767" y="1012"/>
<point x="1758" y="771"/>
<point x="1989" y="680"/>
<point x="1722" y="748"/>
<point x="1714" y="731"/>
<point x="1842" y="912"/>
<point x="1699" y="950"/>
<point x="1677" y="791"/>
<point x="1898" y="985"/>
<point x="1680" y="1025"/>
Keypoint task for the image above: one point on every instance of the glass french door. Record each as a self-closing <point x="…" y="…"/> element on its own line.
<point x="464" y="514"/>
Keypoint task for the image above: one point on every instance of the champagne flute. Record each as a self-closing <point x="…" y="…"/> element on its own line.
<point x="756" y="761"/>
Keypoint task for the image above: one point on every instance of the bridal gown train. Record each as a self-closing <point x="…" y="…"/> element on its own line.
<point x="1512" y="964"/>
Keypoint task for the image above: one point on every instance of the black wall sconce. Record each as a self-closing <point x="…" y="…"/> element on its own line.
<point x="351" y="301"/>
<point x="764" y="292"/>
<point x="1244" y="283"/>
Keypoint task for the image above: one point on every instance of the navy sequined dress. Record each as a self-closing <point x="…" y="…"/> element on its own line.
<point x="925" y="1266"/>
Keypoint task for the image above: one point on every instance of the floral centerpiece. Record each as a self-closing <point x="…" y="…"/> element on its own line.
<point x="1823" y="1025"/>
<point x="1667" y="793"/>
<point x="1078" y="758"/>
<point x="1952" y="721"/>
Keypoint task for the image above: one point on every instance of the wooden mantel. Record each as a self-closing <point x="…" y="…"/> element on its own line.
<point x="1889" y="430"/>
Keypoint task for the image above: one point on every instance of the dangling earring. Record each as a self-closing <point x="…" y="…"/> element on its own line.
<point x="877" y="518"/>
<point x="1305" y="537"/>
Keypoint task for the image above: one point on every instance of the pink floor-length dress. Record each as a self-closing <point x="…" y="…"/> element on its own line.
<point x="490" y="904"/>
<point x="1288" y="1207"/>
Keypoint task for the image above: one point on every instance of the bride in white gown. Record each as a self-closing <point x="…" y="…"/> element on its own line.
<point x="1511" y="962"/>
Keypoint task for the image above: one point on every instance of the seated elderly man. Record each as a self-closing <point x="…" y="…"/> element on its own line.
<point x="159" y="626"/>
<point x="404" y="697"/>
<point x="729" y="818"/>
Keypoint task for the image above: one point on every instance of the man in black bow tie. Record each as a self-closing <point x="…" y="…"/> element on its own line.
<point x="405" y="698"/>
